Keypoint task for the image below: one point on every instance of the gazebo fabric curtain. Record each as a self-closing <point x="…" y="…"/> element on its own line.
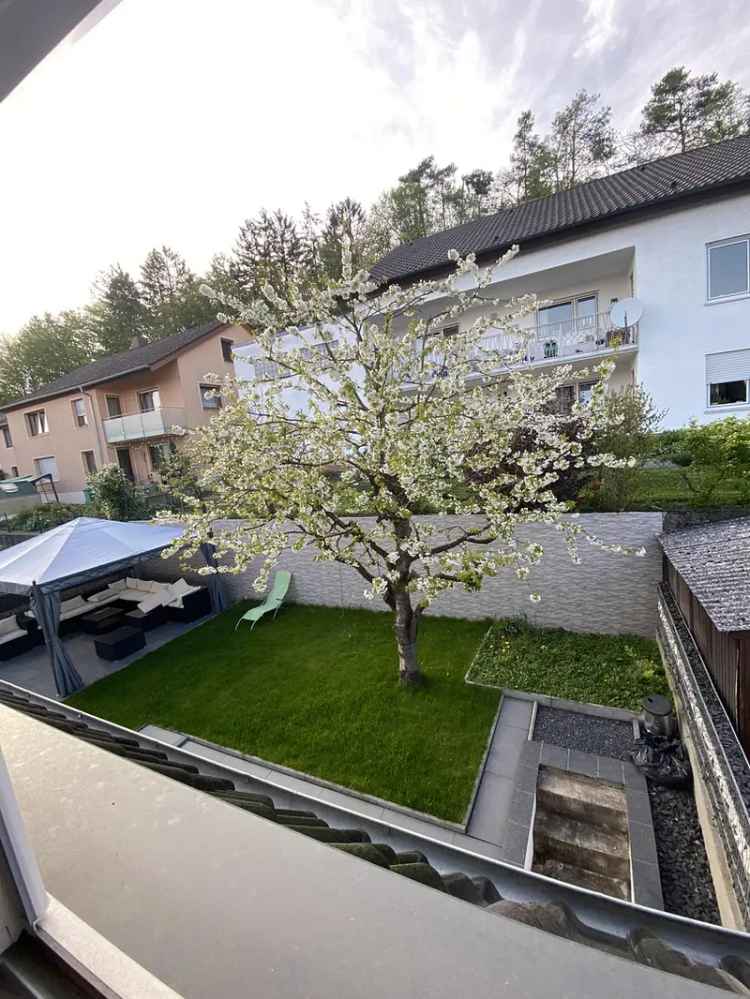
<point x="214" y="581"/>
<point x="46" y="607"/>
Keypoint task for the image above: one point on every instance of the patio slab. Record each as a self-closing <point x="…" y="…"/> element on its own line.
<point x="33" y="671"/>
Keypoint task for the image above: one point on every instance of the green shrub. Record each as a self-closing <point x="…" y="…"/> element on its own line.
<point x="114" y="496"/>
<point x="42" y="518"/>
<point x="709" y="455"/>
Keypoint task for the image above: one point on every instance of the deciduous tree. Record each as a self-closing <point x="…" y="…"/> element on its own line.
<point x="398" y="418"/>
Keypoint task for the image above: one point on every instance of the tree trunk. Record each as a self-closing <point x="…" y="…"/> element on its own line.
<point x="405" y="627"/>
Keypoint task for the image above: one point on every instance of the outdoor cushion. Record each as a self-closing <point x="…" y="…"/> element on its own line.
<point x="152" y="585"/>
<point x="8" y="625"/>
<point x="181" y="587"/>
<point x="130" y="593"/>
<point x="150" y="603"/>
<point x="68" y="605"/>
<point x="133" y="584"/>
<point x="117" y="585"/>
<point x="12" y="636"/>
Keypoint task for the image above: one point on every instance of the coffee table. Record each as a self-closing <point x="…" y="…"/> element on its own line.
<point x="119" y="643"/>
<point x="99" y="621"/>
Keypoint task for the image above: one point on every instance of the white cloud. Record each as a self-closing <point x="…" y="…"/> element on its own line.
<point x="170" y="122"/>
<point x="600" y="27"/>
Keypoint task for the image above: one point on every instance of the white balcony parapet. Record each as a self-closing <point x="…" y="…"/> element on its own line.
<point x="562" y="341"/>
<point x="141" y="426"/>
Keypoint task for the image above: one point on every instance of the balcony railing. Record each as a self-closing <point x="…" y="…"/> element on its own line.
<point x="564" y="340"/>
<point x="140" y="426"/>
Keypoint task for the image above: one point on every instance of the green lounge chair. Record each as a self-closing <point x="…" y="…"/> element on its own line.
<point x="273" y="601"/>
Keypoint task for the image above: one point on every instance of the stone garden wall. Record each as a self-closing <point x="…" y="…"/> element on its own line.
<point x="606" y="593"/>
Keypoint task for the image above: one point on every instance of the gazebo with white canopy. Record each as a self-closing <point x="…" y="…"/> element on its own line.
<point x="76" y="553"/>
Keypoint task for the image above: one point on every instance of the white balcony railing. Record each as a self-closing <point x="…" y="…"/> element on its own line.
<point x="139" y="426"/>
<point x="544" y="343"/>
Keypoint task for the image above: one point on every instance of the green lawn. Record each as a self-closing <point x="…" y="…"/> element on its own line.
<point x="665" y="487"/>
<point x="615" y="670"/>
<point x="317" y="690"/>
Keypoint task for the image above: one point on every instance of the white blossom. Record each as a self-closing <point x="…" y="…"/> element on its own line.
<point x="399" y="419"/>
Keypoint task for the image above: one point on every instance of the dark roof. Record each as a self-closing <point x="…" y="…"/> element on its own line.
<point x="657" y="184"/>
<point x="117" y="365"/>
<point x="640" y="944"/>
<point x="713" y="560"/>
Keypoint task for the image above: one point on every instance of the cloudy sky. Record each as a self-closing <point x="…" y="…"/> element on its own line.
<point x="172" y="120"/>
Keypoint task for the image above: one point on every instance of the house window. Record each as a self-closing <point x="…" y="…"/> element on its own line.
<point x="728" y="378"/>
<point x="226" y="350"/>
<point x="79" y="413"/>
<point x="210" y="399"/>
<point x="36" y="422"/>
<point x="729" y="269"/>
<point x="450" y="331"/>
<point x="126" y="465"/>
<point x="14" y="471"/>
<point x="159" y="453"/>
<point x="149" y="401"/>
<point x="585" y="392"/>
<point x="113" y="405"/>
<point x="7" y="438"/>
<point x="89" y="462"/>
<point x="46" y="466"/>
<point x="565" y="397"/>
<point x="727" y="393"/>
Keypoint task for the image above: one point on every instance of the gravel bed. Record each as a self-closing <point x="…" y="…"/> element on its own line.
<point x="683" y="865"/>
<point x="586" y="733"/>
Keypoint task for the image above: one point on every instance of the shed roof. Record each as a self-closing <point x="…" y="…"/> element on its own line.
<point x="659" y="184"/>
<point x="714" y="561"/>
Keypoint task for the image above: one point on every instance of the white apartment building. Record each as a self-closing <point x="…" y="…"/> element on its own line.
<point x="674" y="234"/>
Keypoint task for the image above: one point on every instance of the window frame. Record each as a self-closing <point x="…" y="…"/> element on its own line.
<point x="573" y="300"/>
<point x="7" y="437"/>
<point x="87" y="470"/>
<point x="152" y="392"/>
<point x="28" y="420"/>
<point x="217" y="399"/>
<point x="734" y="296"/>
<point x="112" y="416"/>
<point x="47" y="457"/>
<point x="224" y="341"/>
<point x="14" y="470"/>
<point x="719" y="406"/>
<point x="78" y="417"/>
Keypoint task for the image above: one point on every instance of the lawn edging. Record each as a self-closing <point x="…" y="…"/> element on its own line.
<point x="328" y="785"/>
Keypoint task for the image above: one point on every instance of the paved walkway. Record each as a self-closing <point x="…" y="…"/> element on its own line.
<point x="494" y="803"/>
<point x="33" y="671"/>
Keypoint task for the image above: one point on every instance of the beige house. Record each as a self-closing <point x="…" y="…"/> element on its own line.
<point x="130" y="408"/>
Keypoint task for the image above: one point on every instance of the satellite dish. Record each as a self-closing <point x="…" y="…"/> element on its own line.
<point x="625" y="313"/>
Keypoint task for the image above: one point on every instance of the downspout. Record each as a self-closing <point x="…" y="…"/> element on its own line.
<point x="101" y="449"/>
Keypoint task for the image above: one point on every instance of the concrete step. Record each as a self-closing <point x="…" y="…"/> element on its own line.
<point x="616" y="887"/>
<point x="581" y="844"/>
<point x="584" y="799"/>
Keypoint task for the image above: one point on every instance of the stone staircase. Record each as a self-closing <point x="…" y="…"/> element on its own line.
<point x="581" y="832"/>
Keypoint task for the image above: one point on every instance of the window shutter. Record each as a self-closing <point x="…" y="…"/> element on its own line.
<point x="728" y="366"/>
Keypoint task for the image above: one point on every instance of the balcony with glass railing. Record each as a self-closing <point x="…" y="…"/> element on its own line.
<point x="566" y="341"/>
<point x="159" y="422"/>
